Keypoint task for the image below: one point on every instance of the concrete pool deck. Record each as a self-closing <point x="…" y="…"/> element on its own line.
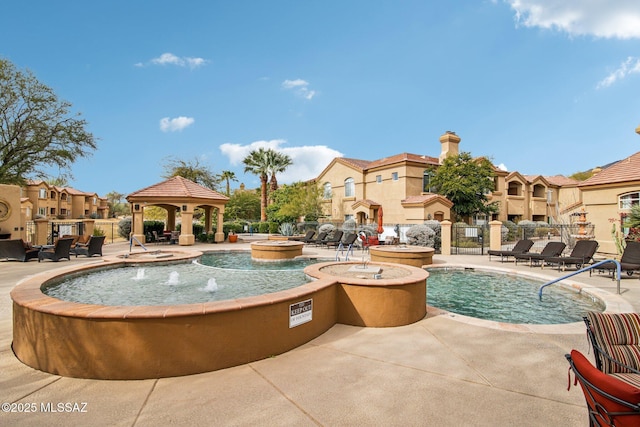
<point x="441" y="370"/>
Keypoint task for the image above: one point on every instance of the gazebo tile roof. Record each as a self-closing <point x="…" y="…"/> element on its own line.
<point x="178" y="187"/>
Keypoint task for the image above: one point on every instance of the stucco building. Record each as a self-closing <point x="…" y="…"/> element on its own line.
<point x="53" y="202"/>
<point x="355" y="188"/>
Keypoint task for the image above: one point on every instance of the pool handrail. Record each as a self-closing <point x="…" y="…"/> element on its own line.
<point x="341" y="249"/>
<point x="137" y="241"/>
<point x="582" y="270"/>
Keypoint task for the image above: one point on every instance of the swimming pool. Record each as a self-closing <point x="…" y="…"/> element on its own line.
<point x="504" y="297"/>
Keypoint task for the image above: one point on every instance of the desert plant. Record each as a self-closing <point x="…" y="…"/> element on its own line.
<point x="286" y="229"/>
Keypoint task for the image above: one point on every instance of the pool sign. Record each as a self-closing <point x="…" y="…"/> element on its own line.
<point x="300" y="312"/>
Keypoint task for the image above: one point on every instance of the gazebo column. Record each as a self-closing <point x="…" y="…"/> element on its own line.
<point x="171" y="218"/>
<point x="219" y="237"/>
<point x="186" y="232"/>
<point x="137" y="224"/>
<point x="207" y="219"/>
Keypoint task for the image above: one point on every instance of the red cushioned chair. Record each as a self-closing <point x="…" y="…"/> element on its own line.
<point x="610" y="402"/>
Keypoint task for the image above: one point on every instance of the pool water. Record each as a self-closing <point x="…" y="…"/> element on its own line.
<point x="505" y="298"/>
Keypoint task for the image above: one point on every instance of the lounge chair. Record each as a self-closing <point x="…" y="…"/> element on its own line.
<point x="348" y="241"/>
<point x="305" y="239"/>
<point x="629" y="262"/>
<point x="610" y="401"/>
<point x="318" y="241"/>
<point x="91" y="248"/>
<point x="17" y="249"/>
<point x="521" y="247"/>
<point x="60" y="250"/>
<point x="333" y="240"/>
<point x="581" y="254"/>
<point x="551" y="249"/>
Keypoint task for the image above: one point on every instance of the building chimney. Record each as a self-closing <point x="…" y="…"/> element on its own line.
<point x="449" y="145"/>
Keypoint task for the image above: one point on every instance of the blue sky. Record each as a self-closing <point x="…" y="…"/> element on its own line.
<point x="539" y="86"/>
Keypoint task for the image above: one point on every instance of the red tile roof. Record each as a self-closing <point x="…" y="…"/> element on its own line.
<point x="623" y="171"/>
<point x="404" y="157"/>
<point x="178" y="187"/>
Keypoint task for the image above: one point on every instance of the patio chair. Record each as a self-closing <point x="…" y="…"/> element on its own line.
<point x="17" y="249"/>
<point x="610" y="402"/>
<point x="629" y="262"/>
<point x="321" y="237"/>
<point x="334" y="240"/>
<point x="615" y="338"/>
<point x="158" y="238"/>
<point x="91" y="248"/>
<point x="582" y="254"/>
<point x="551" y="249"/>
<point x="60" y="250"/>
<point x="521" y="247"/>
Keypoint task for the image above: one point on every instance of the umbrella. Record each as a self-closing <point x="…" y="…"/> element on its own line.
<point x="380" y="229"/>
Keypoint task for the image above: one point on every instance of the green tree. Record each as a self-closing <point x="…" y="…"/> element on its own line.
<point x="257" y="163"/>
<point x="466" y="182"/>
<point x="243" y="205"/>
<point x="278" y="162"/>
<point x="300" y="199"/>
<point x="228" y="176"/>
<point x="191" y="170"/>
<point x="116" y="206"/>
<point x="37" y="130"/>
<point x="58" y="181"/>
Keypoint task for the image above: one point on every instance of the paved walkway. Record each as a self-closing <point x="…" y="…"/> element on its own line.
<point x="444" y="370"/>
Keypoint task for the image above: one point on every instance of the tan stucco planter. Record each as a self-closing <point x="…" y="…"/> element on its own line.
<point x="416" y="256"/>
<point x="276" y="249"/>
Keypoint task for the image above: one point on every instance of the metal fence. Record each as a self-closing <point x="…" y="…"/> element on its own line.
<point x="475" y="240"/>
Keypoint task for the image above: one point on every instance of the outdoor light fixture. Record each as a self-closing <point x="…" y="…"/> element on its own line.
<point x="136" y="207"/>
<point x="184" y="208"/>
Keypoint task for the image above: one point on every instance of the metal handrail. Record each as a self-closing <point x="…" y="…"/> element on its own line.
<point x="582" y="270"/>
<point x="341" y="249"/>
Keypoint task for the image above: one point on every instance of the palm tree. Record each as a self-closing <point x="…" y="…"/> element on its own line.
<point x="278" y="162"/>
<point x="257" y="163"/>
<point x="228" y="176"/>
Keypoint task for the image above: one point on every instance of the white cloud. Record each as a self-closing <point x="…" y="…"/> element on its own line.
<point x="171" y="59"/>
<point x="600" y="18"/>
<point x="299" y="87"/>
<point x="502" y="167"/>
<point x="630" y="66"/>
<point x="308" y="160"/>
<point x="176" y="124"/>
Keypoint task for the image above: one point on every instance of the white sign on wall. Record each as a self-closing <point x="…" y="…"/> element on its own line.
<point x="300" y="312"/>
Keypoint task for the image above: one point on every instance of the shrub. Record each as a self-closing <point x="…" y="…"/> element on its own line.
<point x="124" y="228"/>
<point x="263" y="227"/>
<point x="97" y="231"/>
<point x="420" y="235"/>
<point x="211" y="238"/>
<point x="273" y="228"/>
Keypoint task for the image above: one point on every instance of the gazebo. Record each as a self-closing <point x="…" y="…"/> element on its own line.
<point x="178" y="194"/>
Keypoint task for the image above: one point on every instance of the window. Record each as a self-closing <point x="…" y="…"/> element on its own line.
<point x="427" y="176"/>
<point x="394" y="176"/>
<point x="42" y="194"/>
<point x="42" y="211"/>
<point x="539" y="191"/>
<point x="348" y="217"/>
<point x="95" y="201"/>
<point x="515" y="189"/>
<point x="53" y="195"/>
<point x="326" y="191"/>
<point x="349" y="187"/>
<point x="629" y="200"/>
<point x="378" y="179"/>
